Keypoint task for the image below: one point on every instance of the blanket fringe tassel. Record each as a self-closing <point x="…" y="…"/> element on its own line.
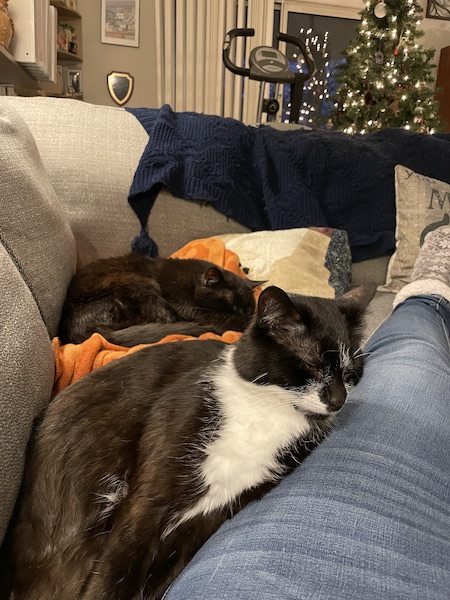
<point x="143" y="244"/>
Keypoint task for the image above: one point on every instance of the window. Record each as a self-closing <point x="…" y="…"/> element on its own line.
<point x="326" y="36"/>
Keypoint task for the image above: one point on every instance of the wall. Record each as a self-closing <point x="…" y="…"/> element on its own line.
<point x="100" y="59"/>
<point x="437" y="34"/>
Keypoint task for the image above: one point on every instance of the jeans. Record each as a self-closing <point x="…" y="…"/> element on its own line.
<point x="367" y="515"/>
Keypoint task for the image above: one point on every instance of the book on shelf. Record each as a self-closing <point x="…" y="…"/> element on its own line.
<point x="34" y="41"/>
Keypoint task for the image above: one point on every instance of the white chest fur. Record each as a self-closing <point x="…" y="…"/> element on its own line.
<point x="258" y="421"/>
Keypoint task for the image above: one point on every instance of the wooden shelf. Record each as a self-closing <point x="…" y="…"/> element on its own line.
<point x="72" y="17"/>
<point x="11" y="72"/>
<point x="64" y="56"/>
<point x="64" y="10"/>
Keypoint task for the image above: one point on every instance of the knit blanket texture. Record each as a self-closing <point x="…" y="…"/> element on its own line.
<point x="265" y="178"/>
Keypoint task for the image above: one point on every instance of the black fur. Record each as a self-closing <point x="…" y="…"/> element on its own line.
<point x="115" y="293"/>
<point x="138" y="428"/>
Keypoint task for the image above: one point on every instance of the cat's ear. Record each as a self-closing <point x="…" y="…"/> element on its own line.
<point x="254" y="283"/>
<point x="275" y="308"/>
<point x="213" y="276"/>
<point x="355" y="302"/>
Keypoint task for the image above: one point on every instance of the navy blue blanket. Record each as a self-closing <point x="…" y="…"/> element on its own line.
<point x="270" y="179"/>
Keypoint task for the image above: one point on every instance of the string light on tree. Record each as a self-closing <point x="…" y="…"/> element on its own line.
<point x="316" y="95"/>
<point x="386" y="79"/>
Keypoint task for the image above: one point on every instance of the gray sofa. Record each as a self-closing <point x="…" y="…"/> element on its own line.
<point x="66" y="169"/>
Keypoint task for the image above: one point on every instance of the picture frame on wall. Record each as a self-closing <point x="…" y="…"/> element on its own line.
<point x="438" y="9"/>
<point x="120" y="22"/>
<point x="74" y="83"/>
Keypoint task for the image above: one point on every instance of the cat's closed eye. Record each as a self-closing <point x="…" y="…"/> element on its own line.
<point x="351" y="379"/>
<point x="248" y="311"/>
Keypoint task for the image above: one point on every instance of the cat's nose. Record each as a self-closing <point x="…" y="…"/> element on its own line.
<point x="337" y="395"/>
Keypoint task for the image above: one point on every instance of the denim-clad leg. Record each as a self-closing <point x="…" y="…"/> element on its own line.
<point x="367" y="515"/>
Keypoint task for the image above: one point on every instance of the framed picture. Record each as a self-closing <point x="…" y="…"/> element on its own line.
<point x="74" y="83"/>
<point x="438" y="9"/>
<point x="120" y="22"/>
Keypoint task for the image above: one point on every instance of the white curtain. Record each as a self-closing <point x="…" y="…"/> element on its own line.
<point x="190" y="70"/>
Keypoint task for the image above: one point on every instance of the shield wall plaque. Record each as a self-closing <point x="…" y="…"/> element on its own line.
<point x="120" y="86"/>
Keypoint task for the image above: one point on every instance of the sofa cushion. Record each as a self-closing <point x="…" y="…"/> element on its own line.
<point x="174" y="222"/>
<point x="26" y="378"/>
<point x="372" y="270"/>
<point x="33" y="228"/>
<point x="101" y="147"/>
<point x="422" y="205"/>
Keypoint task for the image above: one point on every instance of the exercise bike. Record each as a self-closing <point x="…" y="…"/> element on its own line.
<point x="269" y="65"/>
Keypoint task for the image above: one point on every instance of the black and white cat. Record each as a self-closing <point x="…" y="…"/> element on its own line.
<point x="127" y="291"/>
<point x="136" y="465"/>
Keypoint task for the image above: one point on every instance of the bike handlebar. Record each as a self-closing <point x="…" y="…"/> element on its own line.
<point x="240" y="32"/>
<point x="282" y="37"/>
<point x="305" y="51"/>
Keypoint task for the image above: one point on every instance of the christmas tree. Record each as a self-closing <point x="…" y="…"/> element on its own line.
<point x="385" y="79"/>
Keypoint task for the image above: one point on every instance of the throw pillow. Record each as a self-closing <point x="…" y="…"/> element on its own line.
<point x="33" y="227"/>
<point x="422" y="205"/>
<point x="297" y="260"/>
<point x="102" y="146"/>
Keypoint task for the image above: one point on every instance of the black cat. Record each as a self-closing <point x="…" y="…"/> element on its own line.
<point x="116" y="293"/>
<point x="137" y="464"/>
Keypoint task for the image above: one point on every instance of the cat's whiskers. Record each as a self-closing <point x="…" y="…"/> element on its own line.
<point x="259" y="377"/>
<point x="260" y="398"/>
<point x="264" y="395"/>
<point x="273" y="407"/>
<point x="306" y="355"/>
<point x="358" y="352"/>
<point x="344" y="354"/>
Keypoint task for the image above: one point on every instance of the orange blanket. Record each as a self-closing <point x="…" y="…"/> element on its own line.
<point x="214" y="250"/>
<point x="73" y="361"/>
